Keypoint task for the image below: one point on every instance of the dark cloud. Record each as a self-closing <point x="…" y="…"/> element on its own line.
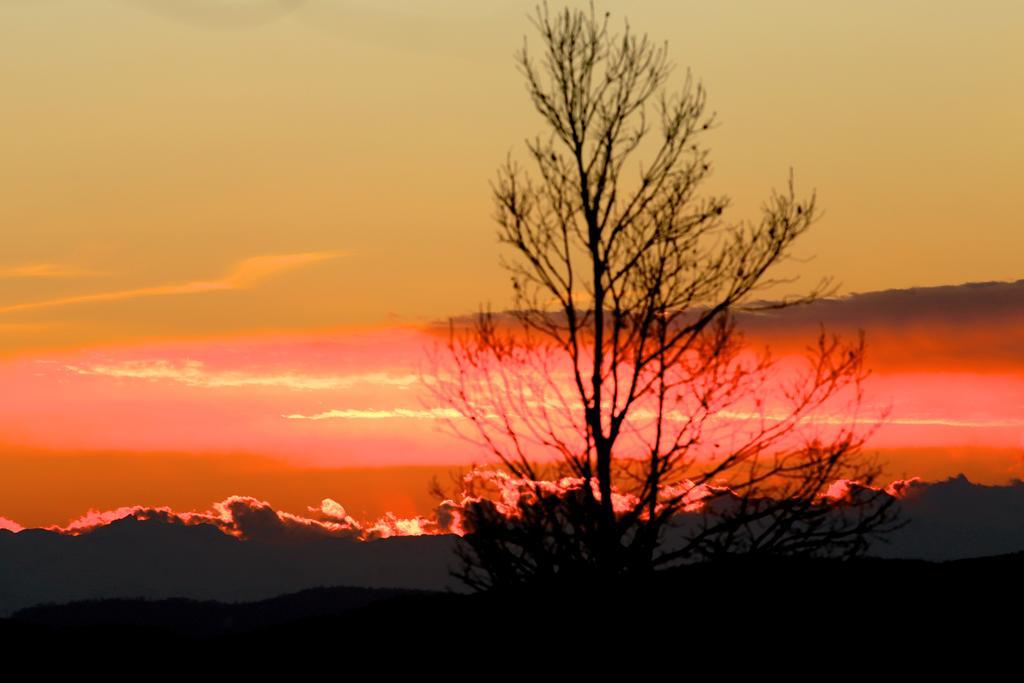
<point x="977" y="326"/>
<point x="969" y="327"/>
<point x="968" y="303"/>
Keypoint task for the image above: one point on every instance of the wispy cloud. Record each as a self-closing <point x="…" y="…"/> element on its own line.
<point x="393" y="413"/>
<point x="674" y="416"/>
<point x="195" y="374"/>
<point x="246" y="273"/>
<point x="840" y="419"/>
<point x="43" y="271"/>
<point x="951" y="422"/>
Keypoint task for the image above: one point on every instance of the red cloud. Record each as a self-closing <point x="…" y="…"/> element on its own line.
<point x="248" y="518"/>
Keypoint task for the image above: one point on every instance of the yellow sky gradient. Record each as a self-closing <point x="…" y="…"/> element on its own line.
<point x="151" y="144"/>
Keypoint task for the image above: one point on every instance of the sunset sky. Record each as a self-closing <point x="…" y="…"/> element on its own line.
<point x="226" y="228"/>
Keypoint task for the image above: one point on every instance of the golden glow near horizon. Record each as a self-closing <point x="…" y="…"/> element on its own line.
<point x="152" y="144"/>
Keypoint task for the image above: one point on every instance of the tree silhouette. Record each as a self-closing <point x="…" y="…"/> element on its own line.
<point x="634" y="425"/>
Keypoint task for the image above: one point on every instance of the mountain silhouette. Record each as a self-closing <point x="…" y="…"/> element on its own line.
<point x="152" y="559"/>
<point x="955" y="519"/>
<point x="155" y="559"/>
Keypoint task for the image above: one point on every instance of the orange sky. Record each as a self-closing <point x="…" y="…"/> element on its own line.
<point x="223" y="224"/>
<point x="149" y="144"/>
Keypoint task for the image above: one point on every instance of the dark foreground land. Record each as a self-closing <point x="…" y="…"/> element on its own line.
<point x="777" y="608"/>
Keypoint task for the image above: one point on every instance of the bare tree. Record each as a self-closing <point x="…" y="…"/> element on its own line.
<point x="635" y="424"/>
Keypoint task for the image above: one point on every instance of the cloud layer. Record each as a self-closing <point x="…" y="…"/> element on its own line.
<point x="251" y="519"/>
<point x="970" y="327"/>
<point x="194" y="373"/>
<point x="945" y="520"/>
